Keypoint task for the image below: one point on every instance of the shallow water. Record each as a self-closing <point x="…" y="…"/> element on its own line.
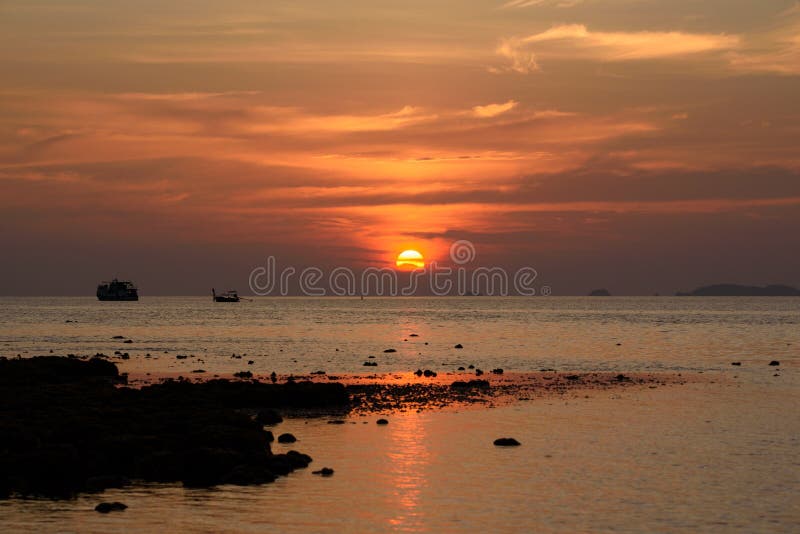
<point x="695" y="458"/>
<point x="301" y="335"/>
<point x="718" y="456"/>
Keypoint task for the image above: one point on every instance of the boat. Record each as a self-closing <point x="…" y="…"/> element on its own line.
<point x="117" y="290"/>
<point x="229" y="296"/>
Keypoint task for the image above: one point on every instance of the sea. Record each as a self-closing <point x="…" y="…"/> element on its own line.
<point x="720" y="454"/>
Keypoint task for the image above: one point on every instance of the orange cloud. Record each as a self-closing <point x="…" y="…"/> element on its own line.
<point x="492" y="110"/>
<point x="576" y="41"/>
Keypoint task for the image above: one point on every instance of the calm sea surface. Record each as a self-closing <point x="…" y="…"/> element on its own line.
<point x="712" y="457"/>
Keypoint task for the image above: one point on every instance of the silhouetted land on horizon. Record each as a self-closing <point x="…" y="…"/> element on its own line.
<point x="734" y="290"/>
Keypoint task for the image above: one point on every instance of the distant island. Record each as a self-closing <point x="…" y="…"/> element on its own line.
<point x="600" y="293"/>
<point x="734" y="290"/>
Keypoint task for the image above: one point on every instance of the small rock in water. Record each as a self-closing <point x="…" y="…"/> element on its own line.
<point x="286" y="438"/>
<point x="506" y="442"/>
<point x="199" y="371"/>
<point x="622" y="378"/>
<point x="736" y="363"/>
<point x="387" y="351"/>
<point x="458" y="346"/>
<point x="337" y="422"/>
<point x="461" y="368"/>
<point x="243" y="374"/>
<point x="106" y="507"/>
<point x="774" y="363"/>
<point x="478" y="372"/>
<point x="382" y="422"/>
<point x="250" y="362"/>
<point x="370" y="364"/>
<point x="470" y="366"/>
<point x="429" y="374"/>
<point x="418" y="372"/>
<point x="497" y="371"/>
<point x="181" y="357"/>
<point x="128" y="341"/>
<point x="413" y="335"/>
<point x="118" y="337"/>
<point x="325" y="471"/>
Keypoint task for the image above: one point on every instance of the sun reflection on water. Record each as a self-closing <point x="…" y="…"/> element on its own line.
<point x="409" y="460"/>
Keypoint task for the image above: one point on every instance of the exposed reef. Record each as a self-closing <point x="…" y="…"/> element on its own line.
<point x="68" y="425"/>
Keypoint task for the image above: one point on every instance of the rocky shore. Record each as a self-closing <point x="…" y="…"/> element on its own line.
<point x="66" y="426"/>
<point x="70" y="425"/>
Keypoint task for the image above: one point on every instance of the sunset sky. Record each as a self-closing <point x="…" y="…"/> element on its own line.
<point x="639" y="145"/>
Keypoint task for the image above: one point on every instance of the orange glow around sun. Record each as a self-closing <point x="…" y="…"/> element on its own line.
<point x="410" y="259"/>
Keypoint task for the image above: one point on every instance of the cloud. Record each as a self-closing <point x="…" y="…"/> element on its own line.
<point x="576" y="41"/>
<point x="517" y="4"/>
<point x="492" y="110"/>
<point x="776" y="51"/>
<point x="521" y="60"/>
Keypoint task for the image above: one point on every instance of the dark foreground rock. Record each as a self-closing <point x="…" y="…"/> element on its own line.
<point x="106" y="507"/>
<point x="325" y="471"/>
<point x="66" y="427"/>
<point x="506" y="442"/>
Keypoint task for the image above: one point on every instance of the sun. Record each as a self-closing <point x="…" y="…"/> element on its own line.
<point x="410" y="259"/>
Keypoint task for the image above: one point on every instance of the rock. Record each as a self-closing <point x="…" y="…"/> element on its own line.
<point x="181" y="357"/>
<point x="106" y="507"/>
<point x="128" y="341"/>
<point x="413" y="335"/>
<point x="600" y="293"/>
<point x="118" y="337"/>
<point x="478" y="372"/>
<point x="458" y="346"/>
<point x="286" y="438"/>
<point x="325" y="471"/>
<point x="243" y="374"/>
<point x="65" y="427"/>
<point x="622" y="378"/>
<point x="268" y="417"/>
<point x="460" y="384"/>
<point x="497" y="371"/>
<point x="736" y="363"/>
<point x="506" y="442"/>
<point x="387" y="351"/>
<point x="461" y="368"/>
<point x="774" y="363"/>
<point x="250" y="362"/>
<point x="370" y="364"/>
<point x="337" y="422"/>
<point x="470" y="366"/>
<point x="418" y="372"/>
<point x="199" y="371"/>
<point x="298" y="460"/>
<point x="382" y="422"/>
<point x="429" y="374"/>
